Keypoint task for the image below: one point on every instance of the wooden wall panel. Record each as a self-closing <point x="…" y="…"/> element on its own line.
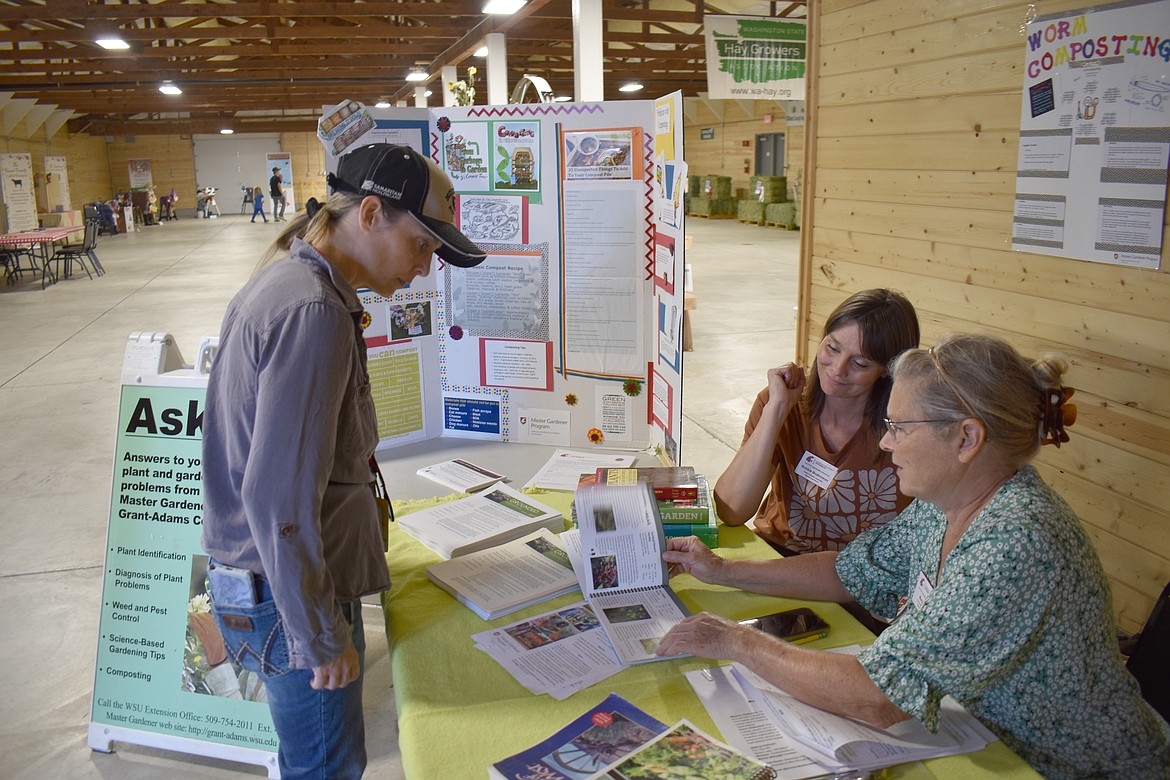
<point x="915" y="153"/>
<point x="308" y="163"/>
<point x="172" y="166"/>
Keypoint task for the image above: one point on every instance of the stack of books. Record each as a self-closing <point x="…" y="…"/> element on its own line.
<point x="685" y="502"/>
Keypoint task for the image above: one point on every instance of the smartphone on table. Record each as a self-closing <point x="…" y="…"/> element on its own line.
<point x="794" y="625"/>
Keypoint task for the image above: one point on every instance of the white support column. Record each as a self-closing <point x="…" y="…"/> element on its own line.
<point x="497" y="70"/>
<point x="588" y="76"/>
<point x="420" y="97"/>
<point x="448" y="74"/>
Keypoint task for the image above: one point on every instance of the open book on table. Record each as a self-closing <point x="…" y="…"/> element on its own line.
<point x="461" y="475"/>
<point x="502" y="579"/>
<point x="625" y="578"/>
<point x="494" y="516"/>
<point x="759" y="718"/>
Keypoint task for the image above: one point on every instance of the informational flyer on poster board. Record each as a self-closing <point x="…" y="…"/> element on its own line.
<point x="141" y="174"/>
<point x="20" y="197"/>
<point x="57" y="183"/>
<point x="1095" y="135"/>
<point x="162" y="676"/>
<point x="552" y="337"/>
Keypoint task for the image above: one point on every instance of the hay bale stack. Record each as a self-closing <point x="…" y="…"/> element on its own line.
<point x="781" y="214"/>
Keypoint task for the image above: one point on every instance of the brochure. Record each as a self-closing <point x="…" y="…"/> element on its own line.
<point x="605" y="733"/>
<point x="461" y="475"/>
<point x="685" y="751"/>
<point x="493" y="517"/>
<point x="502" y="579"/>
<point x="558" y="652"/>
<point x="833" y="742"/>
<point x="626" y="580"/>
<point x="565" y="467"/>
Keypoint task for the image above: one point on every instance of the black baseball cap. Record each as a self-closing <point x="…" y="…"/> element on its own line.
<point x="406" y="179"/>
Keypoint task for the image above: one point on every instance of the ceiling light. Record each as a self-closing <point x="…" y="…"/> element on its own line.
<point x="417" y="75"/>
<point x="503" y="6"/>
<point x="112" y="43"/>
<point x="226" y="131"/>
<point x="633" y="86"/>
<point x="382" y="104"/>
<point x="168" y="88"/>
<point x="562" y="98"/>
<point x="481" y="51"/>
<point x="428" y="93"/>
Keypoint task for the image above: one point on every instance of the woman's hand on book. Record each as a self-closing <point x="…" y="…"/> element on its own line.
<point x="688" y="555"/>
<point x="706" y="635"/>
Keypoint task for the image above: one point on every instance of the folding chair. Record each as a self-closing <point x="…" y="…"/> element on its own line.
<point x="90" y="244"/>
<point x="70" y="252"/>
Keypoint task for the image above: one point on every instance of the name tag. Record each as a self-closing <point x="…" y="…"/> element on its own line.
<point x="816" y="470"/>
<point x="922" y="590"/>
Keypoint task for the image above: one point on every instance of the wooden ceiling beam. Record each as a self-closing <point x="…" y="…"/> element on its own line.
<point x="80" y="10"/>
<point x="252" y="32"/>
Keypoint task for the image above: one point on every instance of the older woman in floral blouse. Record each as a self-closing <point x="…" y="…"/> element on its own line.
<point x="996" y="594"/>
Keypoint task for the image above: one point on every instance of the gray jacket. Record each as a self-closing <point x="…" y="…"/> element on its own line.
<point x="288" y="431"/>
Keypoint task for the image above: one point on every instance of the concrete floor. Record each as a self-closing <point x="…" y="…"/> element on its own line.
<point x="59" y="377"/>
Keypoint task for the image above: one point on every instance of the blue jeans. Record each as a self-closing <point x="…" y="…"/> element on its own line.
<point x="322" y="733"/>
<point x="278" y="204"/>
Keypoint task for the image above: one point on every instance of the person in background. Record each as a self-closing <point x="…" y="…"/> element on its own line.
<point x="276" y="190"/>
<point x="258" y="204"/>
<point x="996" y="594"/>
<point x="290" y="521"/>
<point x="814" y="439"/>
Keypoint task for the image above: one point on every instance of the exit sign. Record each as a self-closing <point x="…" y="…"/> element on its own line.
<point x="707" y="133"/>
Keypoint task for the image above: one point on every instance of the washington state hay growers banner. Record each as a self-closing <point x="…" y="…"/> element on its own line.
<point x="755" y="58"/>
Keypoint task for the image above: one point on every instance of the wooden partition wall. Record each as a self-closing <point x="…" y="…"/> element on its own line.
<point x="913" y="138"/>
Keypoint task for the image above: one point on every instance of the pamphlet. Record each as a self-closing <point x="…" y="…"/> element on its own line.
<point x="459" y="474"/>
<point x="497" y="515"/>
<point x="745" y="726"/>
<point x="502" y="579"/>
<point x="834" y="742"/>
<point x="558" y="652"/>
<point x="685" y="751"/>
<point x="565" y="467"/>
<point x="606" y="732"/>
<point x="626" y="580"/>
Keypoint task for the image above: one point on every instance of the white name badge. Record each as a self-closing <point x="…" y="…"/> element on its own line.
<point x="816" y="470"/>
<point x="922" y="590"/>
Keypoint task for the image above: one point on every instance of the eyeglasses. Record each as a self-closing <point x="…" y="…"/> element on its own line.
<point x="898" y="427"/>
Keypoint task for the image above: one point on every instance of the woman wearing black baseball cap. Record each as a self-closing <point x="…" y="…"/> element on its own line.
<point x="289" y="429"/>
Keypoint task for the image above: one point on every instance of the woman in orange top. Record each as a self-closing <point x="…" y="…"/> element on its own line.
<point x="814" y="440"/>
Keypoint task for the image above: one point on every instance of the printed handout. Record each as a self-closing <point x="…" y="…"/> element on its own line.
<point x="833" y="742"/>
<point x="564" y="468"/>
<point x="506" y="297"/>
<point x="558" y="652"/>
<point x="604" y="269"/>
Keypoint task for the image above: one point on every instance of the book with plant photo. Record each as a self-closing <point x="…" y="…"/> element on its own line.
<point x="502" y="579"/>
<point x="596" y="739"/>
<point x="626" y="581"/>
<point x="686" y="752"/>
<point x="496" y="515"/>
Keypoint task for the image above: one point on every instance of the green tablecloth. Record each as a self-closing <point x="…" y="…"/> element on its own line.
<point x="459" y="711"/>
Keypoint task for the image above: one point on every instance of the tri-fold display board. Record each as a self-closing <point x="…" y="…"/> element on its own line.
<point x="570" y="333"/>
